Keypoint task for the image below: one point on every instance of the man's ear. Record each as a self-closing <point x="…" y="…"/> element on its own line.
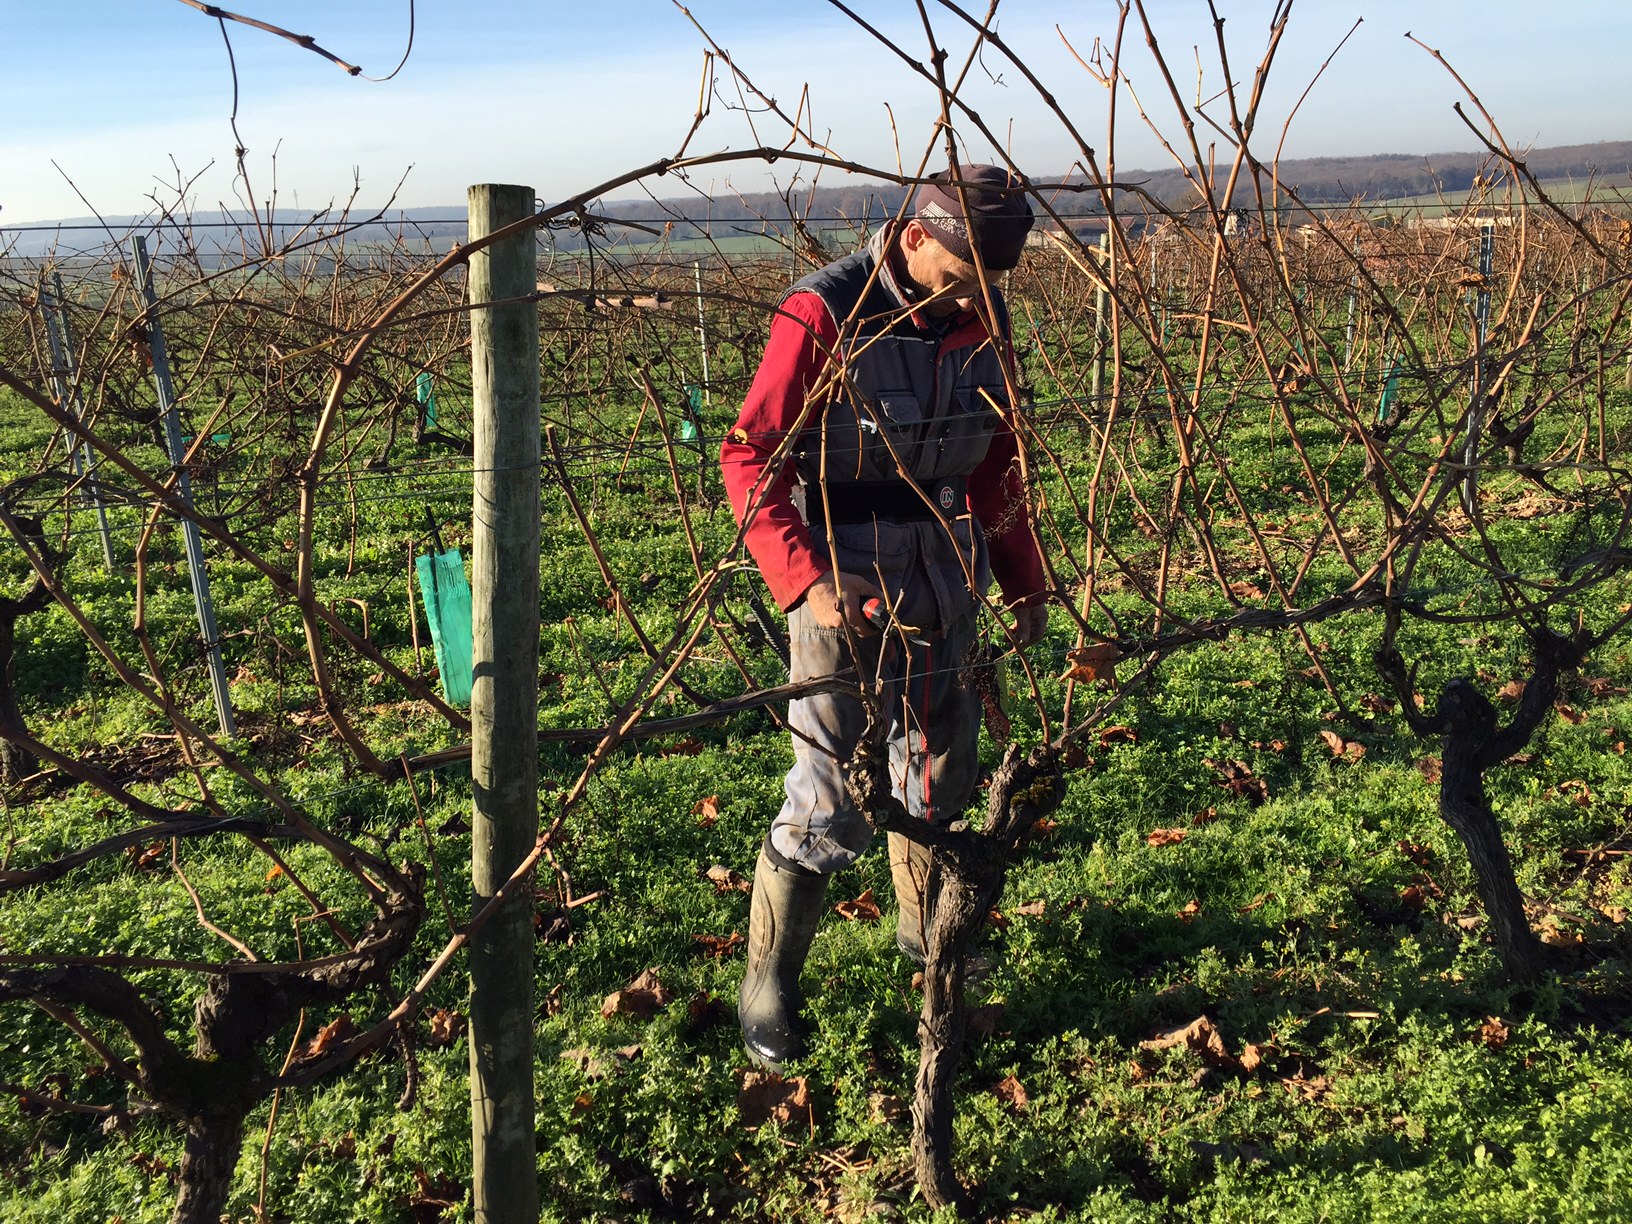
<point x="913" y="235"/>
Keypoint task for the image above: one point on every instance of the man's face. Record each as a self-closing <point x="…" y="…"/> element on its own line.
<point x="952" y="282"/>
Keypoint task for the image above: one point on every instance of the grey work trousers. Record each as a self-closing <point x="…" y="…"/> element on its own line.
<point x="934" y="736"/>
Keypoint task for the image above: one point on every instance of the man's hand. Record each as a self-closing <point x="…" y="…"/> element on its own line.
<point x="835" y="601"/>
<point x="1030" y="622"/>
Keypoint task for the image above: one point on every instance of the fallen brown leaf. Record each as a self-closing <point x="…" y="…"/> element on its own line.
<point x="446" y="1027"/>
<point x="707" y="811"/>
<point x="1032" y="909"/>
<point x="704" y="1011"/>
<point x="862" y="909"/>
<point x="1418" y="853"/>
<point x="1511" y="691"/>
<point x="766" y="1097"/>
<point x="330" y="1035"/>
<point x="1189" y="912"/>
<point x="1097" y="662"/>
<point x="1166" y="837"/>
<point x="1430" y="768"/>
<point x="1493" y="1033"/>
<point x="1206" y="816"/>
<point x="1012" y="1093"/>
<point x="1569" y="714"/>
<point x="1578" y="788"/>
<point x="642" y="998"/>
<point x="718" y="945"/>
<point x="1555" y="936"/>
<point x="1117" y="735"/>
<point x="1347" y="749"/>
<point x="725" y="880"/>
<point x="1237" y="778"/>
<point x="1307" y="1089"/>
<point x="1201" y="1037"/>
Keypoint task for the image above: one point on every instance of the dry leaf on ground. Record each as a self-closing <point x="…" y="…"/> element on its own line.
<point x="1417" y="852"/>
<point x="1165" y="837"/>
<point x="1091" y="662"/>
<point x="1347" y="749"/>
<point x="766" y="1097"/>
<point x="718" y="945"/>
<point x="1493" y="1034"/>
<point x="446" y="1027"/>
<point x="707" y="811"/>
<point x="330" y="1035"/>
<point x="862" y="909"/>
<point x="1237" y="778"/>
<point x="642" y="998"/>
<point x="725" y="880"/>
<point x="1200" y="1036"/>
<point x="1012" y="1093"/>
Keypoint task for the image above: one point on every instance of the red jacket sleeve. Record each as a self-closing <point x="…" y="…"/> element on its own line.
<point x="997" y="495"/>
<point x="759" y="479"/>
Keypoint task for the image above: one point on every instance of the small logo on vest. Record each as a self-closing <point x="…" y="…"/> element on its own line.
<point x="946" y="497"/>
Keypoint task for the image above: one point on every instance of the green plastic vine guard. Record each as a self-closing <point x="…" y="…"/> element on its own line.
<point x="1391" y="388"/>
<point x="690" y="427"/>
<point x="426" y="396"/>
<point x="445" y="592"/>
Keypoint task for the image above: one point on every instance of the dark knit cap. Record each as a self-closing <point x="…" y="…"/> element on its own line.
<point x="999" y="215"/>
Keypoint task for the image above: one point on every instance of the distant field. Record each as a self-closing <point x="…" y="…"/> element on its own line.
<point x="1610" y="192"/>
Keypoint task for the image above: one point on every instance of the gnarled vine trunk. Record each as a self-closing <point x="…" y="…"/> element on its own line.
<point x="966" y="877"/>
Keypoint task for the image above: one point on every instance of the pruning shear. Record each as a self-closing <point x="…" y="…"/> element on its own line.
<point x="879" y="616"/>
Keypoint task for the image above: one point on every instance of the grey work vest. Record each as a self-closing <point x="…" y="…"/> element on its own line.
<point x="914" y="399"/>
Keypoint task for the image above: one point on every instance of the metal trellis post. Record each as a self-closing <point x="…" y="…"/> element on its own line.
<point x="194" y="541"/>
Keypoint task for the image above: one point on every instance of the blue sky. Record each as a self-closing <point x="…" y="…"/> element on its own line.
<point x="131" y="98"/>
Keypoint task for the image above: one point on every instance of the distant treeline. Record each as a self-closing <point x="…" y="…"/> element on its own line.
<point x="1377" y="179"/>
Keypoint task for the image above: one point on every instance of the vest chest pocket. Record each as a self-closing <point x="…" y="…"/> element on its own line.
<point x="898" y="408"/>
<point x="969" y="427"/>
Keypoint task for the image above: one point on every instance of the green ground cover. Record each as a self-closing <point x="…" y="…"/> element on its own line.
<point x="1363" y="1057"/>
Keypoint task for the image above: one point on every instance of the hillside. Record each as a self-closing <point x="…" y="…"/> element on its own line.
<point x="1604" y="168"/>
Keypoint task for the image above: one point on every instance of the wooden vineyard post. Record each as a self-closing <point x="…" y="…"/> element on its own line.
<point x="503" y="701"/>
<point x="1477" y="406"/>
<point x="192" y="538"/>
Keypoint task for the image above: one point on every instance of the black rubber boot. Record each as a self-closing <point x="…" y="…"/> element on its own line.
<point x="782" y="917"/>
<point x="909" y="869"/>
